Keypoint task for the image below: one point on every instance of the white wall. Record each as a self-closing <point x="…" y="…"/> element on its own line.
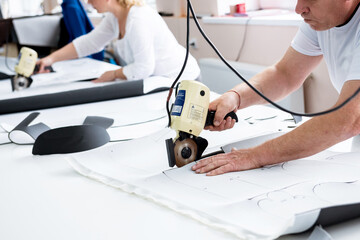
<point x="282" y="4"/>
<point x="17" y="8"/>
<point x="220" y="7"/>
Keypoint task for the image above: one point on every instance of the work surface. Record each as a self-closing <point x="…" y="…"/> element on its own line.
<point x="43" y="197"/>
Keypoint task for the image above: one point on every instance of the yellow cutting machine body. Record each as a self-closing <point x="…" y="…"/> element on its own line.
<point x="191" y="107"/>
<point x="24" y="69"/>
<point x="189" y="115"/>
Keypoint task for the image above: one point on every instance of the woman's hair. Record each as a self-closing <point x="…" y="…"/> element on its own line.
<point x="129" y="3"/>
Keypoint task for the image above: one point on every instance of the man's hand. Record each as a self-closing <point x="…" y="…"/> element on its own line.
<point x="236" y="160"/>
<point x="226" y="103"/>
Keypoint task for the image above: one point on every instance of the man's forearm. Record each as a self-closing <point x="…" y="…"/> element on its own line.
<point x="279" y="80"/>
<point x="313" y="136"/>
<point x="271" y="83"/>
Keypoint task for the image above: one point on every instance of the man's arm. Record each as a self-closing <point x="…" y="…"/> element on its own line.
<point x="275" y="82"/>
<point x="320" y="132"/>
<point x="311" y="137"/>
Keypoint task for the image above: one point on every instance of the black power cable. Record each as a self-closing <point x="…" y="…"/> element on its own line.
<point x="8" y="33"/>
<point x="183" y="67"/>
<point x="189" y="7"/>
<point x="244" y="39"/>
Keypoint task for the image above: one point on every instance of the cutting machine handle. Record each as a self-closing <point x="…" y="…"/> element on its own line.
<point x="211" y="115"/>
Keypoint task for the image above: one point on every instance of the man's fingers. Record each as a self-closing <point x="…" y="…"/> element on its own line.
<point x="223" y="163"/>
<point x="200" y="164"/>
<point x="204" y="162"/>
<point x="209" y="164"/>
<point x="224" y="125"/>
<point x="221" y="170"/>
<point x="221" y="127"/>
<point x="41" y="68"/>
<point x="210" y="128"/>
<point x="219" y="116"/>
<point x="229" y="123"/>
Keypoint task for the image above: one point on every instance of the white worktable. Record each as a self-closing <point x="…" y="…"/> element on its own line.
<point x="44" y="198"/>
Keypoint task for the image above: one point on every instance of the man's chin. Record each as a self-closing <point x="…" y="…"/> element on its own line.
<point x="316" y="27"/>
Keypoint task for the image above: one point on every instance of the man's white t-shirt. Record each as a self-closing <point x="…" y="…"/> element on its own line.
<point x="340" y="47"/>
<point x="147" y="49"/>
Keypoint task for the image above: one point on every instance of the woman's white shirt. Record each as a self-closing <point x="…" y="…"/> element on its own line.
<point x="148" y="47"/>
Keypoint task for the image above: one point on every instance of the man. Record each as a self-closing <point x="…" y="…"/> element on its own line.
<point x="331" y="30"/>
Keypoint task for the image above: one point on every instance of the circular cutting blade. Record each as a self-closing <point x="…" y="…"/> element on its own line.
<point x="20" y="83"/>
<point x="185" y="151"/>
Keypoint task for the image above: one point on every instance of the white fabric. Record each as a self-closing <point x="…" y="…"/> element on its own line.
<point x="148" y="47"/>
<point x="245" y="203"/>
<point x="340" y="47"/>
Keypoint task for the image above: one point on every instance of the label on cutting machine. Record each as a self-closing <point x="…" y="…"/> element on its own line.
<point x="196" y="113"/>
<point x="179" y="103"/>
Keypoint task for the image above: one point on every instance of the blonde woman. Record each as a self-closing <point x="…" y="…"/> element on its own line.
<point x="144" y="44"/>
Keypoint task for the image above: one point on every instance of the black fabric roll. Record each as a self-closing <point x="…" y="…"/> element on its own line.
<point x="73" y="97"/>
